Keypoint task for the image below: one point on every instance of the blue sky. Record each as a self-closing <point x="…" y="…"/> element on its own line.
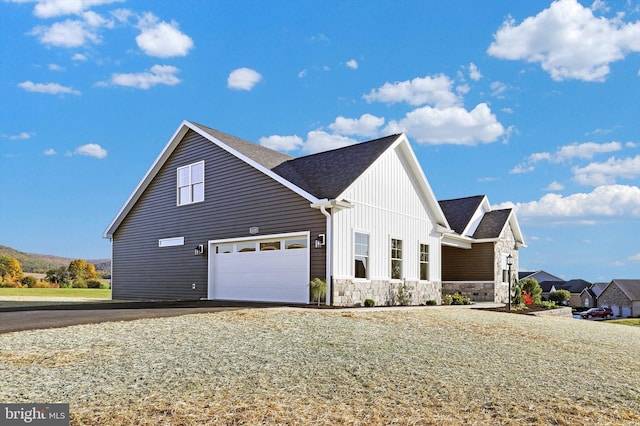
<point x="534" y="104"/>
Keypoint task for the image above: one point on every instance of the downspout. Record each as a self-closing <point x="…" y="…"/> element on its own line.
<point x="328" y="255"/>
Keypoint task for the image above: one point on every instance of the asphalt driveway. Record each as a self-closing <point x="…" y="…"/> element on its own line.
<point x="54" y="316"/>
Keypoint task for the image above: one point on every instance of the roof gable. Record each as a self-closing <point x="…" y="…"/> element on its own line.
<point x="492" y="224"/>
<point x="318" y="178"/>
<point x="327" y="174"/>
<point x="460" y="211"/>
<point x="630" y="287"/>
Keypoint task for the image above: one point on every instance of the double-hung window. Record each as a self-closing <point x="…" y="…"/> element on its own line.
<point x="361" y="252"/>
<point x="191" y="183"/>
<point x="396" y="259"/>
<point x="424" y="262"/>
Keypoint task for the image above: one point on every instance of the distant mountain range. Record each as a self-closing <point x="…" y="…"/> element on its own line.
<point x="41" y="263"/>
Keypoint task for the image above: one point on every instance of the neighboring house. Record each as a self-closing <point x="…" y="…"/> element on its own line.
<point x="623" y="297"/>
<point x="575" y="287"/>
<point x="474" y="255"/>
<point x="217" y="217"/>
<point x="539" y="276"/>
<point x="589" y="296"/>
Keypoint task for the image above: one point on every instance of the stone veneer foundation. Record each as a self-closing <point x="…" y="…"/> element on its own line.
<point x="348" y="292"/>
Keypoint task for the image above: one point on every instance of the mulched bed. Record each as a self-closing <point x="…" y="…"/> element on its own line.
<point x="526" y="310"/>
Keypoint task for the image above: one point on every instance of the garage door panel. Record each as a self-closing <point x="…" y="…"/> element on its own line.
<point x="272" y="275"/>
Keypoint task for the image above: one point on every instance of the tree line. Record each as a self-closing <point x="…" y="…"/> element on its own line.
<point x="79" y="274"/>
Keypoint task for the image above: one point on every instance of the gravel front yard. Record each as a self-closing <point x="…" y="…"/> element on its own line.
<point x="441" y="366"/>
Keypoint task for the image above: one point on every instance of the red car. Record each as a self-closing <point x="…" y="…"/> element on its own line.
<point x="597" y="313"/>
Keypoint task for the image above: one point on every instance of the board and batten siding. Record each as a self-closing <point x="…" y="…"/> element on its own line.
<point x="386" y="204"/>
<point x="475" y="264"/>
<point x="237" y="197"/>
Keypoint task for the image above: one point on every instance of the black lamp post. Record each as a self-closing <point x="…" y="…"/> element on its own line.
<point x="509" y="264"/>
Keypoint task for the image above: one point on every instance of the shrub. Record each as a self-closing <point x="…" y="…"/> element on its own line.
<point x="531" y="286"/>
<point x="29" y="281"/>
<point x="318" y="289"/>
<point x="447" y="299"/>
<point x="369" y="303"/>
<point x="458" y="299"/>
<point x="404" y="296"/>
<point x="559" y="296"/>
<point x="80" y="284"/>
<point x="94" y="284"/>
<point x="44" y="284"/>
<point x="11" y="284"/>
<point x="431" y="302"/>
<point x="547" y="305"/>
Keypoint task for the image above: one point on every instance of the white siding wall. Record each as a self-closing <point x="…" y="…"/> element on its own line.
<point x="387" y="205"/>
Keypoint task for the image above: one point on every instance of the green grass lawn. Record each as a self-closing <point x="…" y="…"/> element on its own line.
<point x="635" y="322"/>
<point x="92" y="293"/>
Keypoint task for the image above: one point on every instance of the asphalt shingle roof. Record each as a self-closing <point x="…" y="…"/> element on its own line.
<point x="459" y="211"/>
<point x="492" y="224"/>
<point x="266" y="157"/>
<point x="327" y="174"/>
<point x="324" y="175"/>
<point x="630" y="287"/>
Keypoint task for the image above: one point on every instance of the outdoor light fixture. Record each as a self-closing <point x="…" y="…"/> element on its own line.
<point x="509" y="264"/>
<point x="320" y="241"/>
<point x="199" y="250"/>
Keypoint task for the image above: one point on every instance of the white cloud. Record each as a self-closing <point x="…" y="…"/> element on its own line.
<point x="162" y="39"/>
<point x="79" y="57"/>
<point x="69" y="33"/>
<point x="606" y="200"/>
<point x="49" y="152"/>
<point x="436" y="90"/>
<point x="53" y="8"/>
<point x="318" y="141"/>
<point x="303" y="73"/>
<point x="497" y="89"/>
<point x="586" y="150"/>
<point x="635" y="257"/>
<point x="631" y="145"/>
<point x="353" y="64"/>
<point x="91" y="150"/>
<point x="608" y="172"/>
<point x="243" y="79"/>
<point x="55" y="67"/>
<point x="568" y="41"/>
<point x="521" y="168"/>
<point x="474" y="74"/>
<point x="158" y="74"/>
<point x="18" y="137"/>
<point x="453" y="125"/>
<point x="367" y="125"/>
<point x="554" y="186"/>
<point x="48" y="88"/>
<point x="282" y="143"/>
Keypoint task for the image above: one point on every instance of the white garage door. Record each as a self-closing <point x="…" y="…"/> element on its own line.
<point x="269" y="269"/>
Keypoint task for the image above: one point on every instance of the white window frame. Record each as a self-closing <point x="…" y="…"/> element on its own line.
<point x="171" y="242"/>
<point x="367" y="256"/>
<point x="421" y="262"/>
<point x="190" y="185"/>
<point x="400" y="259"/>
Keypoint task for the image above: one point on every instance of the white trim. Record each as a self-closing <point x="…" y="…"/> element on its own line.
<point x="262" y="237"/>
<point x="171" y="242"/>
<point x="190" y="185"/>
<point x="271" y="237"/>
<point x="353" y="254"/>
<point x="177" y="137"/>
<point x="402" y="259"/>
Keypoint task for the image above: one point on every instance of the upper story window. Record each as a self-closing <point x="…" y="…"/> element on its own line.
<point x="396" y="259"/>
<point x="191" y="183"/>
<point x="424" y="262"/>
<point x="361" y="251"/>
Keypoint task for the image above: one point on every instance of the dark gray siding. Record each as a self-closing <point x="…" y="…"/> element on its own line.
<point x="468" y="265"/>
<point x="237" y="197"/>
